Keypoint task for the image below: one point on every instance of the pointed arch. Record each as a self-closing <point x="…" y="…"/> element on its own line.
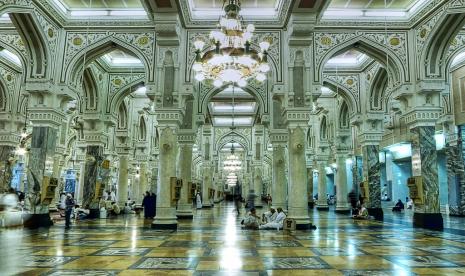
<point x="142" y="129"/>
<point x="122" y="116"/>
<point x="238" y="137"/>
<point x="89" y="102"/>
<point x="374" y="50"/>
<point x="118" y="97"/>
<point x="436" y="47"/>
<point x="353" y="105"/>
<point x="72" y="72"/>
<point x="323" y="129"/>
<point x="344" y="116"/>
<point x="36" y="45"/>
<point x="3" y="97"/>
<point x="378" y="90"/>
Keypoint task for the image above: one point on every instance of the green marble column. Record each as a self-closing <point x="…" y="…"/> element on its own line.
<point x="6" y="163"/>
<point x="372" y="173"/>
<point x="94" y="158"/>
<point x="278" y="188"/>
<point x="424" y="164"/>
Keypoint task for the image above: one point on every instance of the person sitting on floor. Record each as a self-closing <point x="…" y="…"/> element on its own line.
<point x="399" y="206"/>
<point x="269" y="216"/>
<point x="277" y="223"/>
<point x="362" y="213"/>
<point x="251" y="221"/>
<point x="409" y="203"/>
<point x="81" y="213"/>
<point x="114" y="209"/>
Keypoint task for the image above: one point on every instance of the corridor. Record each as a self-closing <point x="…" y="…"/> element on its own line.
<point x="214" y="244"/>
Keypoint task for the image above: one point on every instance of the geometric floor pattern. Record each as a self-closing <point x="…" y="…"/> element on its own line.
<point x="214" y="244"/>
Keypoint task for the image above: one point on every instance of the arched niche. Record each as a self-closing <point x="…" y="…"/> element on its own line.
<point x="344" y="93"/>
<point x="118" y="97"/>
<point x="378" y="88"/>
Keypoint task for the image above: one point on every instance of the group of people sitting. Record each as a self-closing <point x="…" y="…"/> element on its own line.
<point x="400" y="205"/>
<point x="273" y="219"/>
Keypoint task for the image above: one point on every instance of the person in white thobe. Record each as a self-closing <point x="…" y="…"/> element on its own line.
<point x="270" y="215"/>
<point x="199" y="201"/>
<point x="277" y="223"/>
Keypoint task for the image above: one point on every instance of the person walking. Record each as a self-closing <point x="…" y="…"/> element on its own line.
<point x="69" y="204"/>
<point x="237" y="203"/>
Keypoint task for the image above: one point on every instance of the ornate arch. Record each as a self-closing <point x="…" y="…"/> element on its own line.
<point x="238" y="137"/>
<point x="89" y="101"/>
<point x="435" y="47"/>
<point x="457" y="46"/>
<point x="207" y="92"/>
<point x="35" y="43"/>
<point x="71" y="72"/>
<point x="348" y="97"/>
<point x="117" y="98"/>
<point x="344" y="118"/>
<point x="4" y="99"/>
<point x="12" y="44"/>
<point x="376" y="50"/>
<point x="378" y="90"/>
<point x="142" y="128"/>
<point x="122" y="116"/>
<point x="324" y="133"/>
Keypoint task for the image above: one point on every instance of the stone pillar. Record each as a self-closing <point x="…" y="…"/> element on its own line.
<point x="206" y="185"/>
<point x="342" y="206"/>
<point x="154" y="179"/>
<point x="424" y="164"/>
<point x="6" y="157"/>
<point x="322" y="203"/>
<point x="143" y="182"/>
<point x="40" y="167"/>
<point x="56" y="173"/>
<point x="94" y="157"/>
<point x="123" y="179"/>
<point x="185" y="171"/>
<point x="166" y="212"/>
<point x="357" y="173"/>
<point x="279" y="183"/>
<point x="80" y="180"/>
<point x="371" y="172"/>
<point x="258" y="186"/>
<point x="455" y="154"/>
<point x="310" y="187"/>
<point x="297" y="195"/>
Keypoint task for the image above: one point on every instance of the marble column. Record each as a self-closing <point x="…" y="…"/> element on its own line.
<point x="357" y="173"/>
<point x="93" y="162"/>
<point x="80" y="182"/>
<point x="43" y="145"/>
<point x="154" y="181"/>
<point x="342" y="206"/>
<point x="6" y="157"/>
<point x="372" y="173"/>
<point x="185" y="171"/>
<point x="310" y="187"/>
<point x="166" y="212"/>
<point x="206" y="186"/>
<point x="455" y="155"/>
<point x="424" y="164"/>
<point x="278" y="187"/>
<point x="322" y="203"/>
<point x="297" y="191"/>
<point x="258" y="186"/>
<point x="56" y="173"/>
<point x="123" y="179"/>
<point x="143" y="182"/>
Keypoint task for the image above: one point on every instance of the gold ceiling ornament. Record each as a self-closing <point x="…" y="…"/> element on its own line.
<point x="229" y="59"/>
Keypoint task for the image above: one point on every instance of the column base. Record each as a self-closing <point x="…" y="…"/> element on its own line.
<point x="431" y="221"/>
<point x="305" y="226"/>
<point x="322" y="208"/>
<point x="34" y="221"/>
<point x="342" y="211"/>
<point x="377" y="213"/>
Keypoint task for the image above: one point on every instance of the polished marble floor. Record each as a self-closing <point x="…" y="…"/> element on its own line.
<point x="214" y="244"/>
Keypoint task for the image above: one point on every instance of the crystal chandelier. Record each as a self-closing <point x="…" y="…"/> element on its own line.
<point x="230" y="58"/>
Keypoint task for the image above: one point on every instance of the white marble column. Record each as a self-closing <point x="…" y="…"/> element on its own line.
<point x="123" y="180"/>
<point x="80" y="188"/>
<point x="257" y="184"/>
<point x="278" y="188"/>
<point x="342" y="205"/>
<point x="297" y="196"/>
<point x="143" y="181"/>
<point x="322" y="203"/>
<point x="206" y="185"/>
<point x="166" y="213"/>
<point x="185" y="171"/>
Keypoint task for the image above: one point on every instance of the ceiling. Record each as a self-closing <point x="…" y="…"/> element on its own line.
<point x="118" y="59"/>
<point x="244" y="3"/>
<point x="102" y="4"/>
<point x="221" y="108"/>
<point x="372" y="4"/>
<point x="352" y="59"/>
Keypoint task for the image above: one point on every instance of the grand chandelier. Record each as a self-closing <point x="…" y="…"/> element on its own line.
<point x="230" y="58"/>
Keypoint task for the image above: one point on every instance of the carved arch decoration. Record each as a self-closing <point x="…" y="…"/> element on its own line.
<point x="435" y="36"/>
<point x="89" y="101"/>
<point x="38" y="38"/>
<point x="80" y="45"/>
<point x="457" y="46"/>
<point x="274" y="53"/>
<point x="346" y="86"/>
<point x="123" y="117"/>
<point x="129" y="84"/>
<point x="390" y="50"/>
<point x="224" y="138"/>
<point x="258" y="91"/>
<point x="324" y="133"/>
<point x="14" y="43"/>
<point x="142" y="135"/>
<point x="378" y="89"/>
<point x="344" y="118"/>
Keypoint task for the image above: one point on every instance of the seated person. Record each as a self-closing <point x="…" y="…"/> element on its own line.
<point x="362" y="213"/>
<point x="269" y="216"/>
<point x="81" y="213"/>
<point x="399" y="206"/>
<point x="251" y="221"/>
<point x="277" y="223"/>
<point x="114" y="209"/>
<point x="409" y="203"/>
<point x="128" y="209"/>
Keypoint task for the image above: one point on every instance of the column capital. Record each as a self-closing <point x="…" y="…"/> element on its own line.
<point x="171" y="117"/>
<point x="278" y="137"/>
<point x="186" y="137"/>
<point x="46" y="116"/>
<point x="297" y="117"/>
